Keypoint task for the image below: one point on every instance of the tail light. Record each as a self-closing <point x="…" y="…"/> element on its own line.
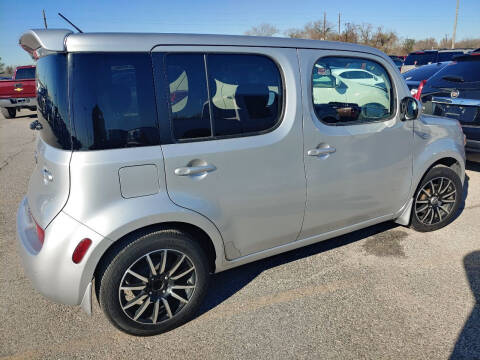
<point x="419" y="90"/>
<point x="81" y="250"/>
<point x="40" y="233"/>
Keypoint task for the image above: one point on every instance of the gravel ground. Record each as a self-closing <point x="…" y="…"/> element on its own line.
<point x="382" y="292"/>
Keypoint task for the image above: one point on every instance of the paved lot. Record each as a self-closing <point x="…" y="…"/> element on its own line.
<point x="383" y="292"/>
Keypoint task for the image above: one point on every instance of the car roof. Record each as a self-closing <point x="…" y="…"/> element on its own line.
<point x="40" y="42"/>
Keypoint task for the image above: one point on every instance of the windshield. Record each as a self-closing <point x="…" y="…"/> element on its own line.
<point x="25" y="73"/>
<point x="421" y="58"/>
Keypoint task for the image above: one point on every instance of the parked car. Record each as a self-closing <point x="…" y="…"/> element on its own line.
<point x="425" y="57"/>
<point x="454" y="92"/>
<point x="177" y="156"/>
<point x="415" y="77"/>
<point x="398" y="61"/>
<point x="19" y="92"/>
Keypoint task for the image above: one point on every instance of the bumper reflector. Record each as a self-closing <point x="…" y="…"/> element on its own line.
<point x="81" y="250"/>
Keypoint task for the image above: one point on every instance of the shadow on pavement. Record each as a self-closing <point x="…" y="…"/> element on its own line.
<point x="227" y="283"/>
<point x="468" y="342"/>
<point x="26" y="116"/>
<point x="473" y="165"/>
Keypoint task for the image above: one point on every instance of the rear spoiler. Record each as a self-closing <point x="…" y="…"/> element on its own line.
<point x="41" y="42"/>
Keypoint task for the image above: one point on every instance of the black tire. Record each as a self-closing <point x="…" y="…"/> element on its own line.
<point x="113" y="272"/>
<point x="8" y="113"/>
<point x="441" y="209"/>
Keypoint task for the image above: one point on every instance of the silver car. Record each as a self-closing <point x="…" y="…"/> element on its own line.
<point x="161" y="159"/>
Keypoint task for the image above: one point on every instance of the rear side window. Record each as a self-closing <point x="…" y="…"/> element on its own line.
<point x="220" y="95"/>
<point x="52" y="102"/>
<point x="113" y="101"/>
<point x="188" y="97"/>
<point x="25" y="73"/>
<point x="344" y="101"/>
<point x="421" y="58"/>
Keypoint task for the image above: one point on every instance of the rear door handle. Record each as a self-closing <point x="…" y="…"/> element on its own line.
<point x="194" y="170"/>
<point x="321" y="151"/>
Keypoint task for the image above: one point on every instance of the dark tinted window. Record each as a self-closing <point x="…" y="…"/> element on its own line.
<point x="52" y="101"/>
<point x="25" y="73"/>
<point x="448" y="55"/>
<point x="246" y="93"/>
<point x="423" y="72"/>
<point x="113" y="101"/>
<point x="421" y="58"/>
<point x="187" y="87"/>
<point x="457" y="72"/>
<point x="340" y="101"/>
<point x="356" y="75"/>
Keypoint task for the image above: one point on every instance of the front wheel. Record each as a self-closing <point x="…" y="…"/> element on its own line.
<point x="155" y="283"/>
<point x="9" y="113"/>
<point x="436" y="200"/>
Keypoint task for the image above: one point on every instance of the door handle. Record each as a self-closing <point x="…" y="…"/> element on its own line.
<point x="321" y="151"/>
<point x="194" y="170"/>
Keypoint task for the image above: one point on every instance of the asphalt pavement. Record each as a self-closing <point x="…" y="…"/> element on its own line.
<point x="385" y="292"/>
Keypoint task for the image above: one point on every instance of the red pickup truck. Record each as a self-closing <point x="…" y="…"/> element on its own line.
<point x="18" y="93"/>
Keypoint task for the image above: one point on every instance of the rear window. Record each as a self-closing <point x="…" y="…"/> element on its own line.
<point x="423" y="72"/>
<point x="421" y="58"/>
<point x="461" y="72"/>
<point x="219" y="95"/>
<point x="113" y="101"/>
<point x="448" y="55"/>
<point x="52" y="102"/>
<point x="25" y="73"/>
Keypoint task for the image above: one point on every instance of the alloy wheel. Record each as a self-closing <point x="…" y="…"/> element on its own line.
<point x="157" y="286"/>
<point x="435" y="201"/>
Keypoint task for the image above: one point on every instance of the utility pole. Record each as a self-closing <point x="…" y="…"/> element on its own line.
<point x="44" y="19"/>
<point x="455" y="26"/>
<point x="324" y="25"/>
<point x="338" y="24"/>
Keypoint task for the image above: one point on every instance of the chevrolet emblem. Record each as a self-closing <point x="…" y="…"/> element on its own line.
<point x="18" y="89"/>
<point x="454" y="94"/>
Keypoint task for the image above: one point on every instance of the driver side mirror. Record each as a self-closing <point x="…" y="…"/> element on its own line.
<point x="409" y="108"/>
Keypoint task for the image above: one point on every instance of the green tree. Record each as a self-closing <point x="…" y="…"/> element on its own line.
<point x="1" y="66"/>
<point x="407" y="45"/>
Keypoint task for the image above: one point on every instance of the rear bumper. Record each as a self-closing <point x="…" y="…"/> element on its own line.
<point x="18" y="102"/>
<point x="472" y="146"/>
<point x="50" y="267"/>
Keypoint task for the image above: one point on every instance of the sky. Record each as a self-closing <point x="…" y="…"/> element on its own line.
<point x="415" y="19"/>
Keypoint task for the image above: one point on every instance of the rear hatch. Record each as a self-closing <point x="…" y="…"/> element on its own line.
<point x="49" y="184"/>
<point x="24" y="83"/>
<point x="454" y="92"/>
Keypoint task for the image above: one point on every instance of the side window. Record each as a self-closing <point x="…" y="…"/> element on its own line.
<point x="113" y="101"/>
<point x="187" y="87"/>
<point x="246" y="93"/>
<point x="362" y="96"/>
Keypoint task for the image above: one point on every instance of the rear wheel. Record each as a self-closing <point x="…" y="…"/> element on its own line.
<point x="155" y="283"/>
<point x="9" y="113"/>
<point x="436" y="200"/>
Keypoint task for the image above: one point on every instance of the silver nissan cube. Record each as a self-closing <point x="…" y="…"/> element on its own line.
<point x="164" y="158"/>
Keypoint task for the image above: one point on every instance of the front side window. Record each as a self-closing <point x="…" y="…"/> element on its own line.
<point x="220" y="95"/>
<point x="363" y="95"/>
<point x="52" y="104"/>
<point x="113" y="101"/>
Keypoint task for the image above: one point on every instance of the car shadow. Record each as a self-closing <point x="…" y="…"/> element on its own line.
<point x="468" y="342"/>
<point x="464" y="197"/>
<point x="227" y="283"/>
<point x="26" y="116"/>
<point x="473" y="165"/>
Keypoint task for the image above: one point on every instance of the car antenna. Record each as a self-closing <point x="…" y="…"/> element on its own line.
<point x="44" y="19"/>
<point x="64" y="18"/>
